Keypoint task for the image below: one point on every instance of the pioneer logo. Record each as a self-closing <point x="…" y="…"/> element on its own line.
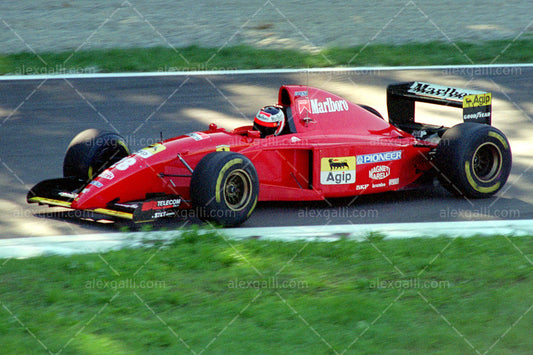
<point x="328" y="106"/>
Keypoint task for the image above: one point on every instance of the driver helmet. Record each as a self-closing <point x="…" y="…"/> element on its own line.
<point x="269" y="120"/>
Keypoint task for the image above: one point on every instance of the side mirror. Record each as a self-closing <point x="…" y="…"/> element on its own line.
<point x="254" y="134"/>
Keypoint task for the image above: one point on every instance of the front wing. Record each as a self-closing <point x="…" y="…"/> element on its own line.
<point x="62" y="192"/>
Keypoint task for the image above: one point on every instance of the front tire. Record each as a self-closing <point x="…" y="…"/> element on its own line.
<point x="91" y="152"/>
<point x="474" y="160"/>
<point x="224" y="188"/>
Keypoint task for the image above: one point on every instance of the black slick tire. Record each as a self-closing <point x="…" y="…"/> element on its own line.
<point x="224" y="188"/>
<point x="91" y="152"/>
<point x="473" y="160"/>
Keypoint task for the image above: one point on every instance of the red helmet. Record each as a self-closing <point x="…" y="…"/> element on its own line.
<point x="269" y="120"/>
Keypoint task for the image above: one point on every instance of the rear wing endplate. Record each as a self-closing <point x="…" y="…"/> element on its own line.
<point x="401" y="98"/>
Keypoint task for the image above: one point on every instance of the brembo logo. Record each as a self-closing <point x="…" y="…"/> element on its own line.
<point x="328" y="105"/>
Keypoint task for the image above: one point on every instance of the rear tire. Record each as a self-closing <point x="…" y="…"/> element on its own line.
<point x="224" y="188"/>
<point x="91" y="152"/>
<point x="474" y="160"/>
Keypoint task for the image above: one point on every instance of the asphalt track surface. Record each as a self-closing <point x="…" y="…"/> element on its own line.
<point x="39" y="117"/>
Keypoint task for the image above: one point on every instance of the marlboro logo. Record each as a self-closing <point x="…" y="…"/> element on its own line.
<point x="327" y="106"/>
<point x="443" y="92"/>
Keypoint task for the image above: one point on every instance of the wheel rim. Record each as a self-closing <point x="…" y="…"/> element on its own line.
<point x="237" y="190"/>
<point x="487" y="162"/>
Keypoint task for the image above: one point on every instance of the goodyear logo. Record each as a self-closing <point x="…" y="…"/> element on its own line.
<point x="477" y="100"/>
<point x="337" y="170"/>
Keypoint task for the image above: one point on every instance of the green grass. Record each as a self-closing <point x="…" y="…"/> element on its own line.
<point x="441" y="295"/>
<point x="247" y="57"/>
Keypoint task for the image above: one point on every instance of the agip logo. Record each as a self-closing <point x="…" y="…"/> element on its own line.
<point x="477" y="100"/>
<point x="337" y="170"/>
<point x="477" y="108"/>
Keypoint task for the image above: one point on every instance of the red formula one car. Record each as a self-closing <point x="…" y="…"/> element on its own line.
<point x="311" y="145"/>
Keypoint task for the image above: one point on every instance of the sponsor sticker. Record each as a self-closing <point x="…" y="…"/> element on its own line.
<point x="96" y="183"/>
<point x="395" y="181"/>
<point x="198" y="136"/>
<point x="477" y="100"/>
<point x="379" y="157"/>
<point x="222" y="148"/>
<point x="443" y="92"/>
<point x="161" y="204"/>
<point x="295" y="140"/>
<point x="151" y="150"/>
<point x="327" y="106"/>
<point x="301" y="93"/>
<point x="475" y="116"/>
<point x="477" y="108"/>
<point x="162" y="214"/>
<point x="337" y="170"/>
<point x="379" y="172"/>
<point x="175" y="202"/>
<point x="108" y="175"/>
<point x="304" y="105"/>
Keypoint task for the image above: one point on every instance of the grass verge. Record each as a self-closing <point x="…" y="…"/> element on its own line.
<point x="208" y="295"/>
<point x="247" y="57"/>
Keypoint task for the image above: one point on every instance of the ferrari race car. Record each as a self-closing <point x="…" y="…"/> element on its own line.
<point x="311" y="145"/>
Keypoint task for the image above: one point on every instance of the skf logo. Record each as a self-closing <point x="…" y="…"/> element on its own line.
<point x="337" y="170"/>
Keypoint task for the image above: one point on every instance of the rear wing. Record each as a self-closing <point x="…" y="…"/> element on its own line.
<point x="476" y="105"/>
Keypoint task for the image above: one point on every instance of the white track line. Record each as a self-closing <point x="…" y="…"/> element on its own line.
<point x="451" y="68"/>
<point x="99" y="243"/>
